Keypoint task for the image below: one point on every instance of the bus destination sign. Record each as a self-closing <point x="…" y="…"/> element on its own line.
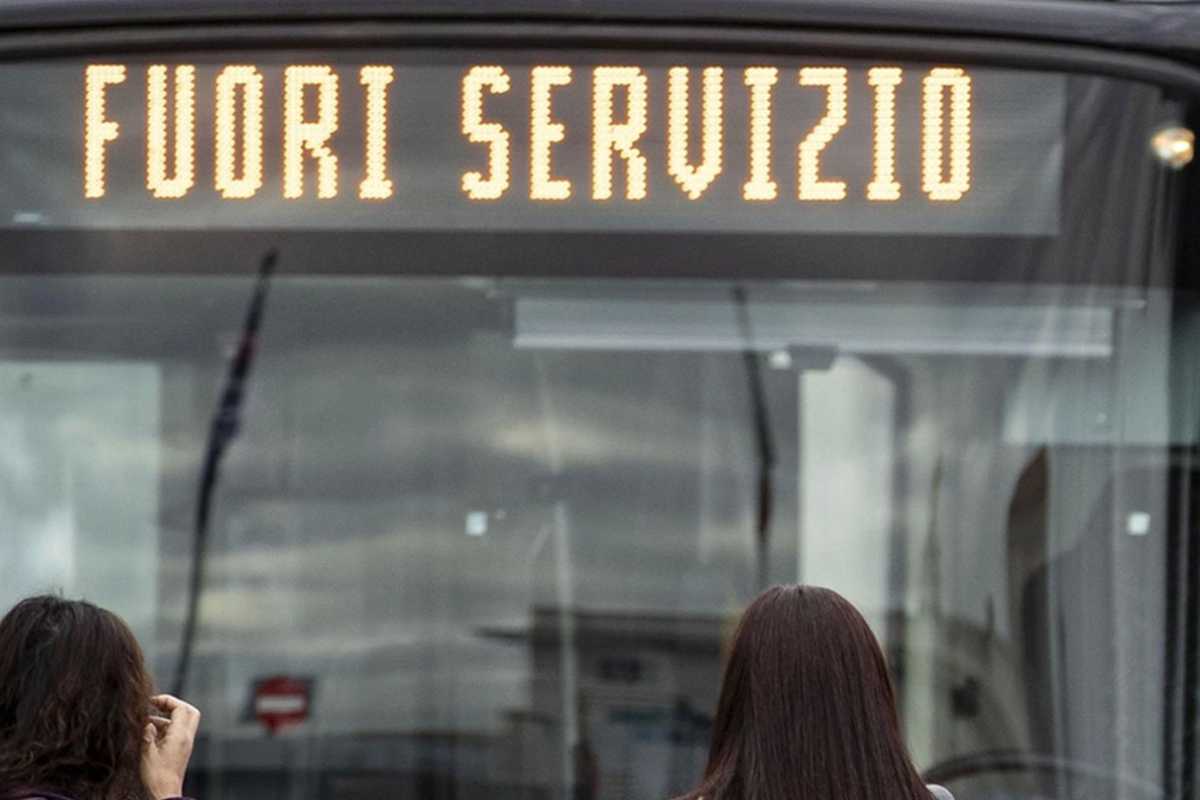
<point x="552" y="143"/>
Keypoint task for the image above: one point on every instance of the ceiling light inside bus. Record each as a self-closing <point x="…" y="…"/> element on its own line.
<point x="867" y="328"/>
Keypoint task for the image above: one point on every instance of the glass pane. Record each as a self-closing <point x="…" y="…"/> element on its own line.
<point x="503" y="562"/>
<point x="486" y="506"/>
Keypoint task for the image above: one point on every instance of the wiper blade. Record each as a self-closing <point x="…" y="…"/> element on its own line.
<point x="222" y="431"/>
<point x="764" y="440"/>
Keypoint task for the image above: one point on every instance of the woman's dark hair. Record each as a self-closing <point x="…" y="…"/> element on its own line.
<point x="807" y="709"/>
<point x="74" y="699"/>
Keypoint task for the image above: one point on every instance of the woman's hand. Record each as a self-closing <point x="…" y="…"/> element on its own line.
<point x="167" y="746"/>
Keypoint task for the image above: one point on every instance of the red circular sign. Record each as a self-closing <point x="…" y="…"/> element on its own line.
<point x="281" y="701"/>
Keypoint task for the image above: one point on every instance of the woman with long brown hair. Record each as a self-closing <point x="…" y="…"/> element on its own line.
<point x="807" y="708"/>
<point x="78" y="717"/>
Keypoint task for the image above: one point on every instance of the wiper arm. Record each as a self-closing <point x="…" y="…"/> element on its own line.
<point x="224" y="428"/>
<point x="764" y="440"/>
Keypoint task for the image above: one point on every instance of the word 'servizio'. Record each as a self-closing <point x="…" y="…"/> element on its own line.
<point x="620" y="98"/>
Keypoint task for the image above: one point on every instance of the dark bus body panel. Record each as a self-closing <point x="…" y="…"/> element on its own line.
<point x="1148" y="27"/>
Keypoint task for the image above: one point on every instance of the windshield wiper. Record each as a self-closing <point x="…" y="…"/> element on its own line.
<point x="224" y="428"/>
<point x="764" y="440"/>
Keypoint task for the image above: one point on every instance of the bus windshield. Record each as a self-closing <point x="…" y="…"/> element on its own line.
<point x="432" y="415"/>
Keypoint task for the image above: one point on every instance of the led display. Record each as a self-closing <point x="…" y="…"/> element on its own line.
<point x="520" y="141"/>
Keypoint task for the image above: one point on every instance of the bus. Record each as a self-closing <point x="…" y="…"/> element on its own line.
<point x="432" y="384"/>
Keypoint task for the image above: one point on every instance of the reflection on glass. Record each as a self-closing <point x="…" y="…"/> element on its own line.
<point x="500" y="531"/>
